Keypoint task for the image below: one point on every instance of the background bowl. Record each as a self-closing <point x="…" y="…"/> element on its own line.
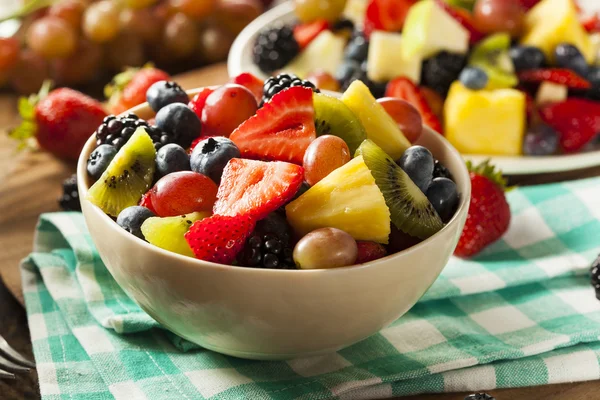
<point x="240" y="60"/>
<point x="273" y="314"/>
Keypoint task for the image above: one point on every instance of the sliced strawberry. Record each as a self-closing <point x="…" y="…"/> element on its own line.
<point x="577" y="121"/>
<point x="219" y="238"/>
<point x="404" y="89"/>
<point x="464" y="18"/>
<point x="305" y="33"/>
<point x="198" y="101"/>
<point x="530" y="109"/>
<point x="555" y="75"/>
<point x="369" y="251"/>
<point x="386" y="15"/>
<point x="146" y="202"/>
<point x="281" y="130"/>
<point x="250" y="82"/>
<point x="256" y="188"/>
<point x="591" y="23"/>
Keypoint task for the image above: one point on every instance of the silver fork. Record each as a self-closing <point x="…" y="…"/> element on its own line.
<point x="11" y="362"/>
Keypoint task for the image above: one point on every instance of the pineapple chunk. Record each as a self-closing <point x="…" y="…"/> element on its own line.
<point x="552" y="22"/>
<point x="386" y="62"/>
<point x="595" y="40"/>
<point x="348" y="199"/>
<point x="380" y="127"/>
<point x="485" y="121"/>
<point x="429" y="29"/>
<point x="355" y="11"/>
<point x="325" y="52"/>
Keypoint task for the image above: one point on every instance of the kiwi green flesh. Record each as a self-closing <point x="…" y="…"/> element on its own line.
<point x="491" y="55"/>
<point x="410" y="210"/>
<point x="128" y="176"/>
<point x="333" y="117"/>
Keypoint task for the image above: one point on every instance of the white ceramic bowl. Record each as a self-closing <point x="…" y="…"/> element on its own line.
<point x="273" y="314"/>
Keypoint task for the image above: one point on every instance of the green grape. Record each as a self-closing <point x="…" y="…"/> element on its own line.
<point x="100" y="21"/>
<point x="310" y="10"/>
<point x="51" y="37"/>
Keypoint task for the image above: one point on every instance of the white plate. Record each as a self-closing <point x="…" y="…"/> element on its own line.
<point x="240" y="60"/>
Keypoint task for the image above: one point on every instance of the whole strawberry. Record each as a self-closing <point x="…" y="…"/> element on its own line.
<point x="489" y="213"/>
<point x="128" y="89"/>
<point x="61" y="121"/>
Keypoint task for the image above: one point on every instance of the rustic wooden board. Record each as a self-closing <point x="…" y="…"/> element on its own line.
<point x="31" y="183"/>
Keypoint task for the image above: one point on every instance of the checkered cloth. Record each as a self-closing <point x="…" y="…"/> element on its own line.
<point x="523" y="313"/>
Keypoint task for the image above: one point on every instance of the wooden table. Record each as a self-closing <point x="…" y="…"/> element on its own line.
<point x="30" y="185"/>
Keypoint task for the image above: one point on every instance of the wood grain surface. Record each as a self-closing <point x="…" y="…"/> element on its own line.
<point x="30" y="183"/>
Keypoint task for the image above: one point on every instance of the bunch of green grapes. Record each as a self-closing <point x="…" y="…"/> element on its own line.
<point x="75" y="42"/>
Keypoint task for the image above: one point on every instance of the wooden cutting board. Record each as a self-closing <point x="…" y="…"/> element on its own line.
<point x="31" y="183"/>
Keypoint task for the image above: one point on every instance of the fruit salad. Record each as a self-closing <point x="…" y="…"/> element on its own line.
<point x="497" y="77"/>
<point x="271" y="175"/>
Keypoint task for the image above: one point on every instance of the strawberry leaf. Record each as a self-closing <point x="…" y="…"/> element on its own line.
<point x="489" y="171"/>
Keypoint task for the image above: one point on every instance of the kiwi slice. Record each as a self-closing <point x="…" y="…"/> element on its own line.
<point x="492" y="56"/>
<point x="168" y="232"/>
<point x="128" y="176"/>
<point x="333" y="117"/>
<point x="410" y="210"/>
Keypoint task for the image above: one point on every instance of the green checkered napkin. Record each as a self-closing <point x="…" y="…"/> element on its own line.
<point x="523" y="313"/>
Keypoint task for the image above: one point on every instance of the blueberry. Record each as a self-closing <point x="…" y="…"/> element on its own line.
<point x="417" y="162"/>
<point x="132" y="218"/>
<point x="541" y="140"/>
<point x="443" y="195"/>
<point x="357" y="49"/>
<point x="568" y="56"/>
<point x="162" y="93"/>
<point x="347" y="71"/>
<point x="527" y="57"/>
<point x="211" y="155"/>
<point x="171" y="158"/>
<point x="474" y="78"/>
<point x="180" y="122"/>
<point x="99" y="160"/>
<point x="594" y="77"/>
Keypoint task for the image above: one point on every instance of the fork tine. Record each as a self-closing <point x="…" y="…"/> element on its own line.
<point x="6" y="375"/>
<point x="11" y="366"/>
<point x="12" y="354"/>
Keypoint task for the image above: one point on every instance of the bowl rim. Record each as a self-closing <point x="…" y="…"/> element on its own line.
<point x="464" y="190"/>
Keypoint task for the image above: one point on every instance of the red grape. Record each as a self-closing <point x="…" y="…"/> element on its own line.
<point x="226" y="108"/>
<point x="144" y="23"/>
<point x="69" y="11"/>
<point x="29" y="73"/>
<point x="180" y="36"/>
<point x="9" y="53"/>
<point x="234" y="15"/>
<point x="81" y="67"/>
<point x="126" y="50"/>
<point x="406" y="116"/>
<point x="51" y="37"/>
<point x="215" y="42"/>
<point x="183" y="192"/>
<point x="493" y="16"/>
<point x="100" y="21"/>
<point x="325" y="154"/>
<point x="197" y="9"/>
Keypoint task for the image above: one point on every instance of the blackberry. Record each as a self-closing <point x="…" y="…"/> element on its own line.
<point x="440" y="171"/>
<point x="274" y="48"/>
<point x="69" y="201"/>
<point x="480" y="396"/>
<point x="441" y="70"/>
<point x="269" y="246"/>
<point x="595" y="276"/>
<point x="276" y="84"/>
<point x="116" y="131"/>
